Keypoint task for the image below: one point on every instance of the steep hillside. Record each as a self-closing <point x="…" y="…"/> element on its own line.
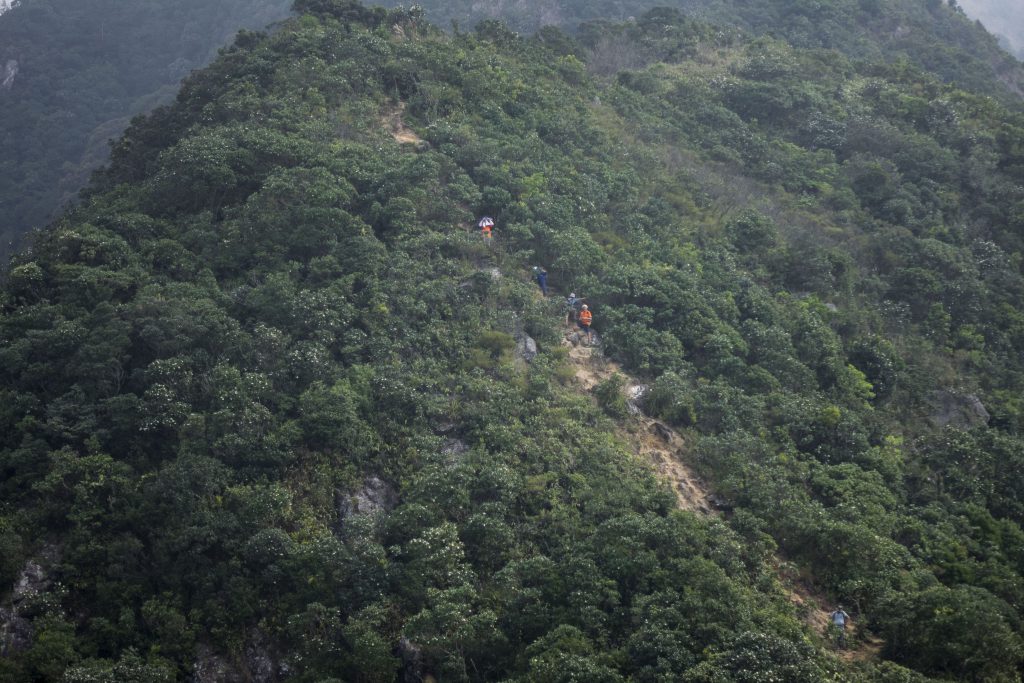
<point x="269" y="408"/>
<point x="72" y="74"/>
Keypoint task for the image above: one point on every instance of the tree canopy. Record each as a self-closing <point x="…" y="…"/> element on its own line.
<point x="261" y="410"/>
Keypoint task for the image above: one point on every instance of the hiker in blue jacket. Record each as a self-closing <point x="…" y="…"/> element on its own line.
<point x="839" y="621"/>
<point x="541" y="276"/>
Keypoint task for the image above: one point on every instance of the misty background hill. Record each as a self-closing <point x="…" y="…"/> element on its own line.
<point x="1003" y="18"/>
<point x="74" y="72"/>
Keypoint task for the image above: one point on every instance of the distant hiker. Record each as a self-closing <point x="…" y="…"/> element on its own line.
<point x="586" y="317"/>
<point x="541" y="276"/>
<point x="572" y="305"/>
<point x="486" y="224"/>
<point x="839" y="621"/>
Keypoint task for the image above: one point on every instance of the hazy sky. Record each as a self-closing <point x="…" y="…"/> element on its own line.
<point x="1001" y="17"/>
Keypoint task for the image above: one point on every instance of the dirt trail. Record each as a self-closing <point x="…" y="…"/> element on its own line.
<point x="812" y="609"/>
<point x="392" y="120"/>
<point x="666" y="450"/>
<point x="651" y="440"/>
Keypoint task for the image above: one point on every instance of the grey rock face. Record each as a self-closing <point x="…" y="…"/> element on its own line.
<point x="953" y="409"/>
<point x="16" y="634"/>
<point x="663" y="432"/>
<point x="526" y="348"/>
<point x="10" y="72"/>
<point x="259" y="663"/>
<point x="412" y="662"/>
<point x="375" y="497"/>
<point x="210" y="667"/>
<point x="31" y="582"/>
<point x="260" y="659"/>
<point x="635" y="395"/>
<point x="453" y="449"/>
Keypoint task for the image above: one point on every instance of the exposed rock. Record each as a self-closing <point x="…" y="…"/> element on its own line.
<point x="9" y="73"/>
<point x="260" y="660"/>
<point x="445" y="427"/>
<point x="663" y="432"/>
<point x="577" y="338"/>
<point x="210" y="667"/>
<point x="832" y="307"/>
<point x="32" y="581"/>
<point x="453" y="448"/>
<point x="259" y="663"/>
<point x="412" y="662"/>
<point x="635" y="395"/>
<point x="953" y="409"/>
<point x="526" y="347"/>
<point x="15" y="632"/>
<point x="375" y="497"/>
<point x="719" y="502"/>
<point x="495" y="273"/>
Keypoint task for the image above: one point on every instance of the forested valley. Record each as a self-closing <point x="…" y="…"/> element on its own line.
<point x="268" y="413"/>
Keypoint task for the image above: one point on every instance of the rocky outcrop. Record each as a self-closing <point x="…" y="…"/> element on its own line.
<point x="210" y="667"/>
<point x="9" y="73"/>
<point x="720" y="503"/>
<point x="663" y="432"/>
<point x="453" y="450"/>
<point x="33" y="580"/>
<point x="412" y="662"/>
<point x="953" y="409"/>
<point x="374" y="498"/>
<point x="15" y="632"/>
<point x="259" y="663"/>
<point x="262" y="663"/>
<point x="635" y="395"/>
<point x="526" y="347"/>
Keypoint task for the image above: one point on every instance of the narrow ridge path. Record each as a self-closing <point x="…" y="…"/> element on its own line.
<point x="665" y="449"/>
<point x="651" y="439"/>
<point x="395" y="125"/>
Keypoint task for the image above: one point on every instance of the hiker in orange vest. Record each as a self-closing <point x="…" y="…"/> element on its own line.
<point x="486" y="224"/>
<point x="586" y="317"/>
